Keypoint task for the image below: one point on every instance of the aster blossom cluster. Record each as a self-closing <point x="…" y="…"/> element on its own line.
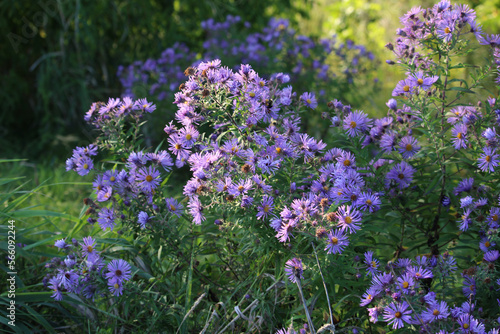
<point x="85" y="272"/>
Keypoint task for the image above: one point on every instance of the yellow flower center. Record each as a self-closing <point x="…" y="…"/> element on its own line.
<point x="460" y="135"/>
<point x="406" y="88"/>
<point x="188" y="136"/>
<point x="435" y="312"/>
<point x="488" y="158"/>
<point x="172" y="207"/>
<point x="487" y="244"/>
<point x="240" y="188"/>
<point x="347" y="162"/>
<point x="369" y="202"/>
<point x="278" y="150"/>
<point x="266" y="208"/>
<point x="234" y="149"/>
<point x="149" y="178"/>
<point x="261" y="83"/>
<point x="89" y="249"/>
<point x="420" y="81"/>
<point x="406" y="285"/>
<point x="353" y="125"/>
<point x="112" y="179"/>
<point x="334" y="240"/>
<point x="401" y="176"/>
<point x="398" y="314"/>
<point x="494" y="218"/>
<point x="373" y="264"/>
<point x="116" y="286"/>
<point x="447" y="30"/>
<point x="85" y="166"/>
<point x="465" y="326"/>
<point x="409" y="147"/>
<point x="251" y="94"/>
<point x="177" y="146"/>
<point x="348" y="220"/>
<point x="308" y="101"/>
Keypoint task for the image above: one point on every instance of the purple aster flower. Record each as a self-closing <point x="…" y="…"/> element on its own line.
<point x="266" y="207"/>
<point x="485" y="244"/>
<point x="178" y="146"/>
<point x="285" y="231"/>
<point x="444" y="29"/>
<point x="374" y="312"/>
<point x="491" y="256"/>
<point x="372" y="264"/>
<point x="196" y="209"/>
<point x="488" y="160"/>
<point x="144" y="105"/>
<point x="148" y="178"/>
<point x="424" y="83"/>
<point x="387" y="141"/>
<point x="84" y="165"/>
<point x="88" y="248"/>
<point x="240" y="188"/>
<point x="143" y="219"/>
<point x="112" y="103"/>
<point x="405" y="283"/>
<point x="397" y="314"/>
<point x="119" y="270"/>
<point x="115" y="286"/>
<point x="401" y="175"/>
<point x="392" y="104"/>
<point x="419" y="273"/>
<point x="492" y="40"/>
<point x="368" y="296"/>
<point x="189" y="134"/>
<point x="174" y="206"/>
<point x="136" y="160"/>
<point x="337" y="241"/>
<point x="294" y="269"/>
<point x="106" y="218"/>
<point x="369" y="202"/>
<point x="464" y="185"/>
<point x="493" y="217"/>
<point x="163" y="159"/>
<point x="349" y="219"/>
<point x="404" y="87"/>
<point x="469" y="288"/>
<point x="408" y="146"/>
<point x="459" y="136"/>
<point x="436" y="311"/>
<point x="309" y="100"/>
<point x="347" y="159"/>
<point x="356" y="123"/>
<point x="55" y="285"/>
<point x="61" y="244"/>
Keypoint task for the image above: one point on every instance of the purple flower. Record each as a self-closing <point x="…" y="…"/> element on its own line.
<point x="464" y="185"/>
<point x="294" y="269"/>
<point x="84" y="165"/>
<point x="337" y="241"/>
<point x="491" y="256"/>
<point x="401" y="175"/>
<point x="348" y="218"/>
<point x="397" y="314"/>
<point x="143" y="219"/>
<point x="61" y="244"/>
<point x="88" y="248"/>
<point x="405" y="283"/>
<point x="149" y="179"/>
<point x="55" y="285"/>
<point x="408" y="146"/>
<point x="144" y="105"/>
<point x="119" y="270"/>
<point x="106" y="218"/>
<point x="356" y="123"/>
<point x="419" y="273"/>
<point x="459" y="136"/>
<point x="372" y="264"/>
<point x="173" y="206"/>
<point x="115" y="286"/>
<point x="196" y="209"/>
<point x="488" y="160"/>
<point x="469" y="288"/>
<point x="404" y="87"/>
<point x="309" y="100"/>
<point x="436" y="311"/>
<point x="369" y="202"/>
<point x="419" y="80"/>
<point x="240" y="188"/>
<point x="266" y="207"/>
